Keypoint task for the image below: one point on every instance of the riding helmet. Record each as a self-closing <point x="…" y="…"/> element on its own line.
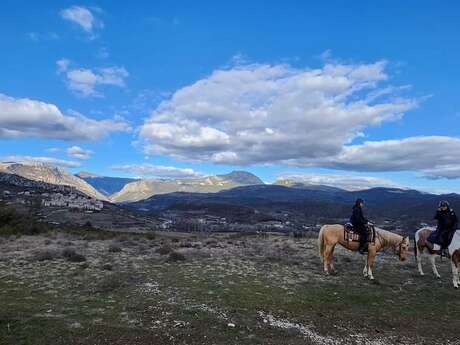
<point x="444" y="203"/>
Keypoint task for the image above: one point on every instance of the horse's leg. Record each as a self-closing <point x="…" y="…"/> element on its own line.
<point x="326" y="259"/>
<point x="455" y="278"/>
<point x="331" y="259"/>
<point x="365" y="267"/>
<point x="419" y="259"/>
<point x="433" y="265"/>
<point x="370" y="262"/>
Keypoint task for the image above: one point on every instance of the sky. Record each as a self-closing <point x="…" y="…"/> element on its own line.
<point x="344" y="93"/>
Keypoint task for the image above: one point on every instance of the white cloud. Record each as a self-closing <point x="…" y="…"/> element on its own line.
<point x="350" y="183"/>
<point x="271" y="113"/>
<point x="160" y="171"/>
<point x="37" y="36"/>
<point x="84" y="18"/>
<point x="84" y="81"/>
<point x="28" y="118"/>
<point x="62" y="65"/>
<point x="79" y="153"/>
<point x="46" y="160"/>
<point x="433" y="156"/>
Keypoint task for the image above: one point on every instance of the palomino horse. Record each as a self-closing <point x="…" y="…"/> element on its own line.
<point x="330" y="235"/>
<point x="454" y="251"/>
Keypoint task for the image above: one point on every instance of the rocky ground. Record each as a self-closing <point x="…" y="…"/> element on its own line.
<point x="222" y="289"/>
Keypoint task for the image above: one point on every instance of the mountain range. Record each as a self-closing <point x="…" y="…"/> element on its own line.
<point x="52" y="175"/>
<point x="238" y="197"/>
<point x="143" y="189"/>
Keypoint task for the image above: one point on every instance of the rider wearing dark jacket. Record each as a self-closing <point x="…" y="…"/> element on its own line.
<point x="360" y="224"/>
<point x="447" y="224"/>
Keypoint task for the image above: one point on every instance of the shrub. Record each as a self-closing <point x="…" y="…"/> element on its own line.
<point x="164" y="249"/>
<point x="107" y="267"/>
<point x="150" y="236"/>
<point x="111" y="283"/>
<point x="45" y="254"/>
<point x="176" y="256"/>
<point x="114" y="247"/>
<point x="71" y="255"/>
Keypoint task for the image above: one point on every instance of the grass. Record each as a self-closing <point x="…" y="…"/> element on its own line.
<point x="148" y="299"/>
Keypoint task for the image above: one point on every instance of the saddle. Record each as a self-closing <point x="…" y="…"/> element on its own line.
<point x="352" y="236"/>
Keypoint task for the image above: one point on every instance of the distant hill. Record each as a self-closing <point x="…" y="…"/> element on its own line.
<point x="53" y="175"/>
<point x="143" y="189"/>
<point x="30" y="198"/>
<point x="104" y="184"/>
<point x="304" y="204"/>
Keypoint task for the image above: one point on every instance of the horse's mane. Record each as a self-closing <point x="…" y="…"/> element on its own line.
<point x="388" y="237"/>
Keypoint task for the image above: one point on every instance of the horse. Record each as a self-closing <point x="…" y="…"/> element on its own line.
<point x="420" y="240"/>
<point x="330" y="235"/>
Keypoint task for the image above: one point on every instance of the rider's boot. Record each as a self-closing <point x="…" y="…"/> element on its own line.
<point x="362" y="248"/>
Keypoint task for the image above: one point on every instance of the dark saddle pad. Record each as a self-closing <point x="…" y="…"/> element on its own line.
<point x="352" y="236"/>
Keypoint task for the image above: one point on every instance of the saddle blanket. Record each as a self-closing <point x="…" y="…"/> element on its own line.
<point x="351" y="236"/>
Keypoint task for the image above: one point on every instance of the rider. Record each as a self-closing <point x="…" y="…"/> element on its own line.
<point x="360" y="224"/>
<point x="447" y="224"/>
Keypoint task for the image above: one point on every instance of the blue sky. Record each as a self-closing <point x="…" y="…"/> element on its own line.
<point x="169" y="89"/>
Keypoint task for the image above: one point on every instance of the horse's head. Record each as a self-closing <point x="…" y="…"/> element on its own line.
<point x="403" y="248"/>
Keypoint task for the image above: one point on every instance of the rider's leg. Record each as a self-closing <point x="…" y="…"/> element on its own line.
<point x="363" y="240"/>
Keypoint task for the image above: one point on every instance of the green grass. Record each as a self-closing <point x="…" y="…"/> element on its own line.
<point x="113" y="307"/>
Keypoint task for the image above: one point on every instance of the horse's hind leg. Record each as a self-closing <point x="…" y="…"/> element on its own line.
<point x="455" y="278"/>
<point x="328" y="267"/>
<point x="331" y="260"/>
<point x="326" y="259"/>
<point x="419" y="259"/>
<point x="433" y="265"/>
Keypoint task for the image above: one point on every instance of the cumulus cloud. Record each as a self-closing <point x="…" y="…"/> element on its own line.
<point x="84" y="81"/>
<point x="251" y="114"/>
<point x="258" y="113"/>
<point x="79" y="153"/>
<point x="160" y="171"/>
<point x="84" y="18"/>
<point x="28" y="118"/>
<point x="350" y="183"/>
<point x="433" y="156"/>
<point x="45" y="160"/>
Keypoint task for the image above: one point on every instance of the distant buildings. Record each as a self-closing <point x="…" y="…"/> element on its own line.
<point x="72" y="200"/>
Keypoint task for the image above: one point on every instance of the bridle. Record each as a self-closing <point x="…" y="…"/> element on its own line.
<point x="400" y="246"/>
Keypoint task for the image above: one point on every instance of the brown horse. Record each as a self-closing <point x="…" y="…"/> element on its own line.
<point x="330" y="235"/>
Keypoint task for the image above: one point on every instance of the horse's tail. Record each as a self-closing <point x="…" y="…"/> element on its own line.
<point x="321" y="245"/>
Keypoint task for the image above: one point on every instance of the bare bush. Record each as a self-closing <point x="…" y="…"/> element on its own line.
<point x="45" y="254"/>
<point x="70" y="254"/>
<point x="176" y="256"/>
<point x="164" y="249"/>
<point x="114" y="247"/>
